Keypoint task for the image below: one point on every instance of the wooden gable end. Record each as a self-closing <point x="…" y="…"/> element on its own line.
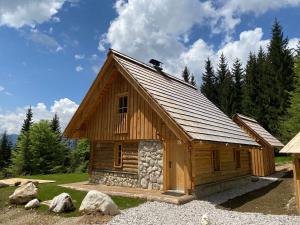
<point x="140" y="122"/>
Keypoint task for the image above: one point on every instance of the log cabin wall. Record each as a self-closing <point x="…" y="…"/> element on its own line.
<point x="262" y="159"/>
<point x="202" y="163"/>
<point x="143" y="123"/>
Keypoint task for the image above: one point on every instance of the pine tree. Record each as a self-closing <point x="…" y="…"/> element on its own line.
<point x="186" y="75"/>
<point x="208" y="87"/>
<point x="55" y="125"/>
<point x="193" y="80"/>
<point x="238" y="76"/>
<point x="250" y="88"/>
<point x="281" y="67"/>
<point x="224" y="86"/>
<point x="5" y="151"/>
<point x="28" y="121"/>
<point x="290" y="126"/>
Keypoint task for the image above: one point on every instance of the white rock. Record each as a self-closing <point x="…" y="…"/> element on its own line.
<point x="96" y="201"/>
<point x="24" y="194"/>
<point x="32" y="204"/>
<point x="205" y="220"/>
<point x="62" y="203"/>
<point x="3" y="185"/>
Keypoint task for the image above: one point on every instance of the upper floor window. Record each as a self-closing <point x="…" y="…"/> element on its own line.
<point x="123" y="104"/>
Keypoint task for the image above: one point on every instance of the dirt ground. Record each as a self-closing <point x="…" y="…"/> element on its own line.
<point x="276" y="199"/>
<point x="18" y="216"/>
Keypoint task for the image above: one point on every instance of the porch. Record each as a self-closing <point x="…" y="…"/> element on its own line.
<point x="149" y="195"/>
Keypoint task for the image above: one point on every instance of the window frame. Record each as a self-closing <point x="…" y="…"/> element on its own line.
<point x="120" y="109"/>
<point x="216" y="161"/>
<point x="118" y="157"/>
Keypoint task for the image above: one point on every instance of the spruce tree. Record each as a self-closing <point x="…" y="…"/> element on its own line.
<point x="238" y="74"/>
<point x="28" y="121"/>
<point x="208" y="87"/>
<point x="55" y="125"/>
<point x="5" y="151"/>
<point x="250" y="88"/>
<point x="193" y="80"/>
<point x="224" y="86"/>
<point x="186" y="75"/>
<point x="281" y="68"/>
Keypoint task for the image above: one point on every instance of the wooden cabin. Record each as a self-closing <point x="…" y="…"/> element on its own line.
<point x="262" y="159"/>
<point x="293" y="147"/>
<point x="151" y="130"/>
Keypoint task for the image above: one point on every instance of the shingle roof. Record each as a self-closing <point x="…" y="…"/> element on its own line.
<point x="190" y="109"/>
<point x="253" y="125"/>
<point x="293" y="146"/>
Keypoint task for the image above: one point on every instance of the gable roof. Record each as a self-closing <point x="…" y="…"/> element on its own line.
<point x="254" y="127"/>
<point x="188" y="107"/>
<point x="293" y="146"/>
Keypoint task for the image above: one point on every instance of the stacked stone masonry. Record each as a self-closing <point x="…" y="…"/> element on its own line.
<point x="150" y="170"/>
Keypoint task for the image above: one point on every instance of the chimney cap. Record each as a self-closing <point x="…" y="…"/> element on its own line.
<point x="157" y="64"/>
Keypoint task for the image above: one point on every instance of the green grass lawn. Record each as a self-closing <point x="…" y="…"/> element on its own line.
<point x="50" y="190"/>
<point x="283" y="159"/>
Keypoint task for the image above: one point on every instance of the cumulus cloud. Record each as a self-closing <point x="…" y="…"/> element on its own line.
<point x="2" y="88"/>
<point x="19" y="13"/>
<point x="78" y="68"/>
<point x="13" y="120"/>
<point x="151" y="29"/>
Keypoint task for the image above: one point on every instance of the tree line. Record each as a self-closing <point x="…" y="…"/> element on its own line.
<point x="41" y="149"/>
<point x="265" y="89"/>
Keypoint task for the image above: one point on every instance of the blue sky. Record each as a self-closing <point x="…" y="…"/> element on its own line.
<point x="51" y="50"/>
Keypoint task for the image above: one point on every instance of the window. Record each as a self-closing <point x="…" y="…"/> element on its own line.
<point x="237" y="158"/>
<point x="216" y="160"/>
<point x="122" y="104"/>
<point x="118" y="155"/>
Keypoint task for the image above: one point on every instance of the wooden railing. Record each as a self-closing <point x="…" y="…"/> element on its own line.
<point x="121" y="123"/>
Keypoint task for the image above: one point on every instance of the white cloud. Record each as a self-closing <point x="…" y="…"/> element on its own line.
<point x="151" y="29"/>
<point x="13" y="120"/>
<point x="78" y="68"/>
<point x="19" y="13"/>
<point x="2" y="88"/>
<point x="79" y="56"/>
<point x="55" y="19"/>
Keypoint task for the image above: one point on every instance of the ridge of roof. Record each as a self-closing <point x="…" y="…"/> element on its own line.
<point x="293" y="146"/>
<point x="246" y="117"/>
<point x="147" y="66"/>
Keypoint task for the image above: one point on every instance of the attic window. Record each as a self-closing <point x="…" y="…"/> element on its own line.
<point x="123" y="104"/>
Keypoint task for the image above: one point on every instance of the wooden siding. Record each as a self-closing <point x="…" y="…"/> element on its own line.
<point x="103" y="156"/>
<point x="202" y="166"/>
<point x="263" y="163"/>
<point x="262" y="159"/>
<point x="143" y="122"/>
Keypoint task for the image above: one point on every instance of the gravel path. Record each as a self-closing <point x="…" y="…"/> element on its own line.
<point x="156" y="213"/>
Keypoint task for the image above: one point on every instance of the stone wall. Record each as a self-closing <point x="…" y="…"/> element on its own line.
<point x="151" y="165"/>
<point x="115" y="178"/>
<point x="150" y="170"/>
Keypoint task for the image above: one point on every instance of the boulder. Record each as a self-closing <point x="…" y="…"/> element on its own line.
<point x="24" y="194"/>
<point x="3" y="185"/>
<point x="62" y="203"/>
<point x="36" y="183"/>
<point x="32" y="204"/>
<point x="96" y="201"/>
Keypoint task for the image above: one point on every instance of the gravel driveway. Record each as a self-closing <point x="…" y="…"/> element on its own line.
<point x="156" y="213"/>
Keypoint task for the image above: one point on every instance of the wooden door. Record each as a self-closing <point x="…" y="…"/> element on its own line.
<point x="176" y="166"/>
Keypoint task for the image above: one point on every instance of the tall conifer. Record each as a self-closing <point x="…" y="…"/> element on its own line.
<point x="186" y="75"/>
<point x="237" y="73"/>
<point x="208" y="87"/>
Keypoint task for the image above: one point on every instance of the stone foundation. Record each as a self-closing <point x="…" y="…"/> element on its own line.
<point x="114" y="178"/>
<point x="151" y="165"/>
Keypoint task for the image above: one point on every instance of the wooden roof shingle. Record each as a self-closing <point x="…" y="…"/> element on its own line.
<point x="253" y="126"/>
<point x="187" y="106"/>
<point x="293" y="146"/>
